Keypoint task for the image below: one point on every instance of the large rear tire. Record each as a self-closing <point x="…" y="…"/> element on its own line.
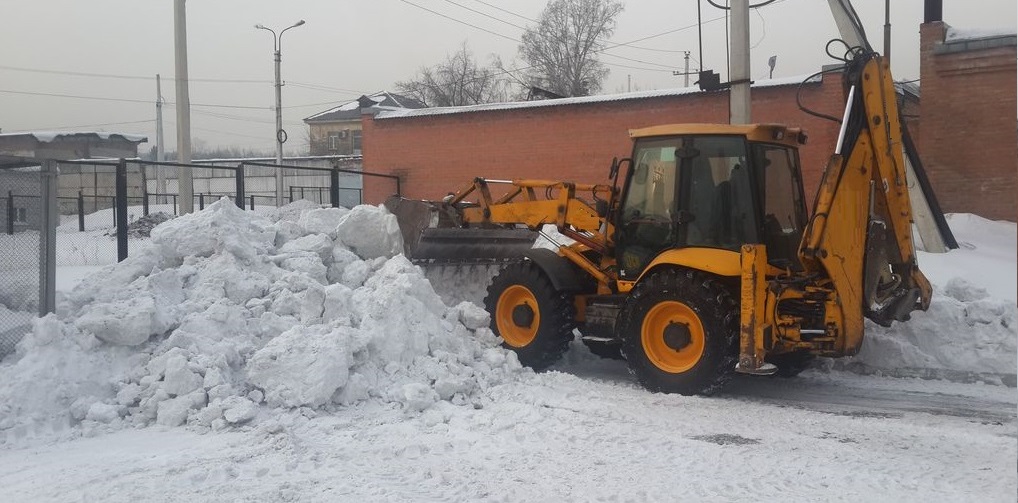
<point x="680" y="332"/>
<point x="533" y="319"/>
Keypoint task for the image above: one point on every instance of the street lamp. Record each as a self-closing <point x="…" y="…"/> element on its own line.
<point x="277" y="42"/>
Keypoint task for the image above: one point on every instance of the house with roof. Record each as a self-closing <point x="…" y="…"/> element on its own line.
<point x="337" y="131"/>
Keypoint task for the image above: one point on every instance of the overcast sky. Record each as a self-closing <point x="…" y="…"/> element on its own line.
<point x="349" y="48"/>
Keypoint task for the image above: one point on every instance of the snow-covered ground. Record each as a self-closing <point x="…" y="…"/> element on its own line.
<point x="290" y="356"/>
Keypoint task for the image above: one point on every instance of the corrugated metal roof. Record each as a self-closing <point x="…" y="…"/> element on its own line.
<point x="604" y="98"/>
<point x="351" y="110"/>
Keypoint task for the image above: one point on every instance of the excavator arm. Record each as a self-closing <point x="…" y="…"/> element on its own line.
<point x="860" y="234"/>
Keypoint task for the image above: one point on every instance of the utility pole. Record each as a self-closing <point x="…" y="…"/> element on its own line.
<point x="277" y="46"/>
<point x="739" y="99"/>
<point x="184" y="186"/>
<point x="160" y="150"/>
<point x="686" y="71"/>
<point x="887" y="30"/>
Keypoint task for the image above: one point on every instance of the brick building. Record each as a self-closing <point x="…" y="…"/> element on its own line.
<point x="438" y="150"/>
<point x="968" y="140"/>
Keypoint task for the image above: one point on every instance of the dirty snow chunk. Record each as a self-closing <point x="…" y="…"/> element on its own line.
<point x="222" y="227"/>
<point x="179" y="379"/>
<point x="304" y="366"/>
<point x="292" y="212"/>
<point x="472" y="316"/>
<point x="129" y="322"/>
<point x="371" y="231"/>
<point x="238" y="410"/>
<point x="418" y="396"/>
<point x="320" y="244"/>
<point x="173" y="412"/>
<point x="102" y="412"/>
<point x="322" y="221"/>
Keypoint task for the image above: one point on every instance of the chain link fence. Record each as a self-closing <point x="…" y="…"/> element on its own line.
<point x="29" y="214"/>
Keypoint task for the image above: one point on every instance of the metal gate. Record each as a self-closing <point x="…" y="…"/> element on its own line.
<point x="29" y="217"/>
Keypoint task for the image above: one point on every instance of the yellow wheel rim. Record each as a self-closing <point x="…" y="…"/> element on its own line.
<point x="517" y="333"/>
<point x="672" y="337"/>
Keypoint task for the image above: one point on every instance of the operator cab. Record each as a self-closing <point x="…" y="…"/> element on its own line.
<point x="713" y="186"/>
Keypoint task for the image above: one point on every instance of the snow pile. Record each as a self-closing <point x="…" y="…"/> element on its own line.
<point x="965" y="330"/>
<point x="225" y="314"/>
<point x="972" y="324"/>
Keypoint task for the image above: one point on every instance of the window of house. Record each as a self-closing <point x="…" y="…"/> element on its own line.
<point x="356" y="141"/>
<point x="334" y="141"/>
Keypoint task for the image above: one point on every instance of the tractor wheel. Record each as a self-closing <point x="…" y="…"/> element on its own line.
<point x="533" y="319"/>
<point x="791" y="364"/>
<point x="680" y="332"/>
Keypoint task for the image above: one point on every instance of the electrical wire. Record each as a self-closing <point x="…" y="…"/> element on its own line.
<point x="126" y="77"/>
<point x="83" y="126"/>
<point x="123" y="100"/>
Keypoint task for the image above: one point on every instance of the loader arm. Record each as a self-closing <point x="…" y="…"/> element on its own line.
<point x="860" y="234"/>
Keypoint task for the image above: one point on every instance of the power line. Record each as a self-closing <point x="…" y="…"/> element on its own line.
<point x="126" y="77"/>
<point x="125" y="100"/>
<point x="460" y="22"/>
<point x="83" y="126"/>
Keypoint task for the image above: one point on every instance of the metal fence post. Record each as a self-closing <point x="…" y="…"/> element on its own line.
<point x="334" y="188"/>
<point x="144" y="202"/>
<point x="81" y="212"/>
<point x="48" y="237"/>
<point x="174" y="204"/>
<point x="10" y="212"/>
<point x="252" y="201"/>
<point x="201" y="201"/>
<point x="121" y="210"/>
<point x="291" y="193"/>
<point x="239" y="199"/>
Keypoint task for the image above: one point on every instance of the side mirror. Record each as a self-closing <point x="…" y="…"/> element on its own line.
<point x="614" y="170"/>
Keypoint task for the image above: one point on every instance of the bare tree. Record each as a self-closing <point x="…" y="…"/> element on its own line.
<point x="459" y="80"/>
<point x="562" y="49"/>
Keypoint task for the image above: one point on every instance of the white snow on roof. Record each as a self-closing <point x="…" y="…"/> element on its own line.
<point x="49" y="136"/>
<point x="604" y="98"/>
<point x="350" y="105"/>
<point x="958" y="34"/>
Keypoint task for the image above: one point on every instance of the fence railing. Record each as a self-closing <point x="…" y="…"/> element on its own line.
<point x="333" y="193"/>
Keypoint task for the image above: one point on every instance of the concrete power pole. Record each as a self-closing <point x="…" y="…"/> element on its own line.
<point x="160" y="147"/>
<point x="184" y="186"/>
<point x="887" y="30"/>
<point x="739" y="95"/>
<point x="686" y="71"/>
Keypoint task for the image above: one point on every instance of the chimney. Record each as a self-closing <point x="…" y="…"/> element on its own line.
<point x="934" y="11"/>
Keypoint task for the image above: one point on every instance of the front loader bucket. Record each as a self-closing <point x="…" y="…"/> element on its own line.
<point x="431" y="233"/>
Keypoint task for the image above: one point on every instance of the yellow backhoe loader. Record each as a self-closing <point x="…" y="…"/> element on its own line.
<point x="706" y="261"/>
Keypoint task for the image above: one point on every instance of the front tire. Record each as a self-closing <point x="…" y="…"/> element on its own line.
<point x="680" y="332"/>
<point x="533" y="318"/>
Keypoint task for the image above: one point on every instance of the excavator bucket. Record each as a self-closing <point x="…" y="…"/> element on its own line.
<point x="432" y="233"/>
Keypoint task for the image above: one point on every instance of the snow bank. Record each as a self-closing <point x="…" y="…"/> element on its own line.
<point x="971" y="328"/>
<point x="226" y="314"/>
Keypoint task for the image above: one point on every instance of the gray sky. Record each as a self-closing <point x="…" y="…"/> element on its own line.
<point x="349" y="47"/>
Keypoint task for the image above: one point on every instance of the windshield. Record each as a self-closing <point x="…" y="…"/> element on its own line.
<point x="685" y="191"/>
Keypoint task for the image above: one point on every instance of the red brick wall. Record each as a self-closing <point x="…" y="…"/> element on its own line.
<point x="969" y="135"/>
<point x="435" y="155"/>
